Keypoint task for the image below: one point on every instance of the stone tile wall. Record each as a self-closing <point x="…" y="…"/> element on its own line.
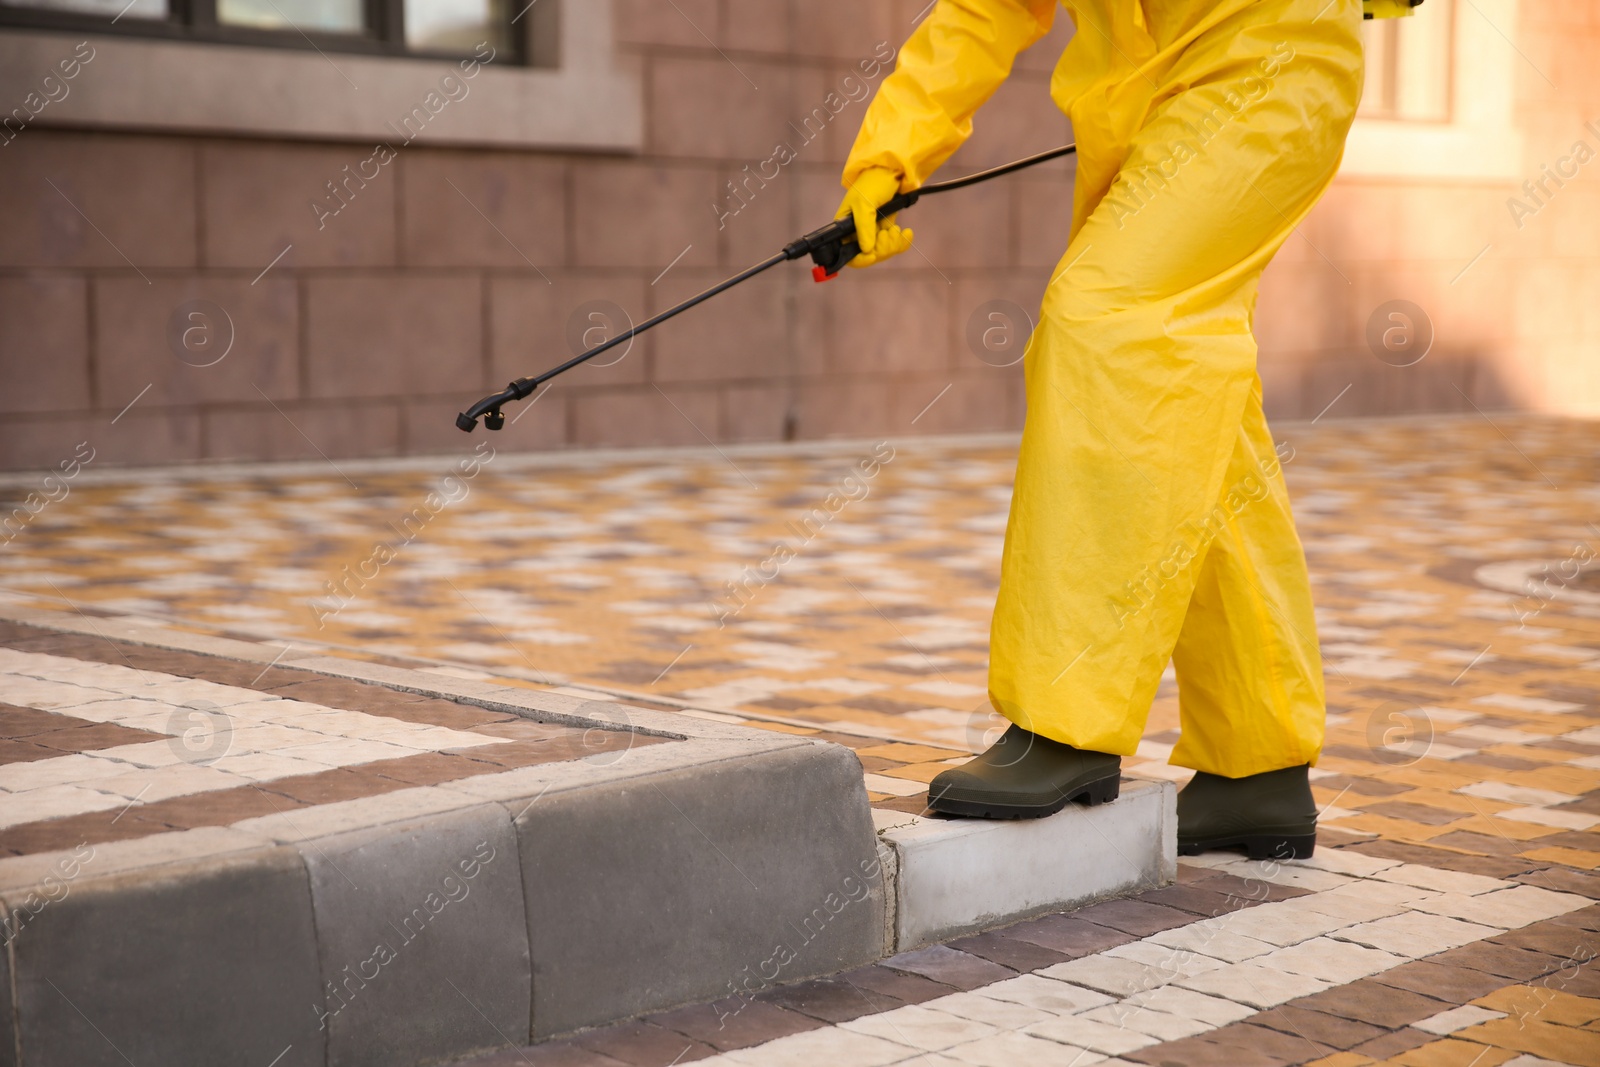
<point x="457" y="269"/>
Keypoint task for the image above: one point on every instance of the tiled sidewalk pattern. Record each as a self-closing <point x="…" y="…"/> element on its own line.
<point x="101" y="741"/>
<point x="1459" y="610"/>
<point x="1341" y="961"/>
<point x="1453" y="560"/>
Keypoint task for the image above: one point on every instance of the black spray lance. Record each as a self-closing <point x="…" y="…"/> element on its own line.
<point x="831" y="248"/>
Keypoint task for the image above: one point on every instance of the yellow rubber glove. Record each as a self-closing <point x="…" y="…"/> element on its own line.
<point x="874" y="188"/>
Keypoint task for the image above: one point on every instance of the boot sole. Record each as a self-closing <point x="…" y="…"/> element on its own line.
<point x="1093" y="794"/>
<point x="1256" y="846"/>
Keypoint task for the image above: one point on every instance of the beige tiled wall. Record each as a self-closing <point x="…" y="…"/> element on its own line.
<point x="457" y="269"/>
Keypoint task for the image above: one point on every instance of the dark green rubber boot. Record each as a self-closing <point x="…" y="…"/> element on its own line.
<point x="1025" y="776"/>
<point x="1270" y="815"/>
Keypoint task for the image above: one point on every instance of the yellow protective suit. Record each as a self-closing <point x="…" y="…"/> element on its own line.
<point x="1150" y="521"/>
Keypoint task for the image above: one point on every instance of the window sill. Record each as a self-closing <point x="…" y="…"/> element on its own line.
<point x="594" y="100"/>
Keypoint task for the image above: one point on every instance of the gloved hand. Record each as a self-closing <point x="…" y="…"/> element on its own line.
<point x="874" y="188"/>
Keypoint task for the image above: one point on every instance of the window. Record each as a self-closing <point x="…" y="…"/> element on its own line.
<point x="1409" y="63"/>
<point x="562" y="84"/>
<point x="1441" y="95"/>
<point x="391" y="27"/>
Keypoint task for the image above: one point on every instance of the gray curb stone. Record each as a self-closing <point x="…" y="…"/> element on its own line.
<point x="421" y="936"/>
<point x="698" y="884"/>
<point x="211" y="962"/>
<point x="8" y="1018"/>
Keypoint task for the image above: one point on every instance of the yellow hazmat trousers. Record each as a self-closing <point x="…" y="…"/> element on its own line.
<point x="1150" y="521"/>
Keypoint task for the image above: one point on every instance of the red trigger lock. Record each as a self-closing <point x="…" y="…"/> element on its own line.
<point x="819" y="273"/>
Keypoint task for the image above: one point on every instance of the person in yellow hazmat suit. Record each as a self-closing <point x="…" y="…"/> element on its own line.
<point x="1149" y="522"/>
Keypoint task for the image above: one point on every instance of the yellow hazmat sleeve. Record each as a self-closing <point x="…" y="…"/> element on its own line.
<point x="1387" y="9"/>
<point x="954" y="61"/>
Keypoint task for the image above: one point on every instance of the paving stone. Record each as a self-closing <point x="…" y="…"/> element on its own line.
<point x="831" y="1045"/>
<point x="1189" y="873"/>
<point x="1214" y="942"/>
<point x="1561" y="942"/>
<point x="906" y="988"/>
<point x="1319" y="1027"/>
<point x="1392" y="1044"/>
<point x="1330" y="960"/>
<point x="547" y="1054"/>
<point x="1134" y="917"/>
<point x="1504" y="960"/>
<point x="1110" y="974"/>
<point x="1160" y="1025"/>
<point x="1370" y="1001"/>
<point x="1013" y="953"/>
<point x="829" y="1000"/>
<point x="950" y="967"/>
<point x="1516" y="906"/>
<point x="1415" y="934"/>
<point x="1004" y="1015"/>
<point x="330" y="787"/>
<point x="1204" y="1052"/>
<point x="1448" y="1022"/>
<point x="1418" y="813"/>
<point x="24" y="752"/>
<point x="1071" y="936"/>
<point x="1346" y="861"/>
<point x="1451" y="1052"/>
<point x="1483" y="844"/>
<point x="1011" y="1049"/>
<point x="1287" y="1047"/>
<point x="642" y="1044"/>
<point x="1371" y="787"/>
<point x="1543" y="1002"/>
<point x="920" y="1028"/>
<point x="1445" y="859"/>
<point x="734" y="1023"/>
<point x="1585" y="983"/>
<point x="1440" y="879"/>
<point x="1584" y="919"/>
<point x="1536" y="1037"/>
<point x="1046" y="994"/>
<point x="1166" y="964"/>
<point x="1253" y="984"/>
<point x="1195" y="899"/>
<point x="1564" y="880"/>
<point x="1445" y="982"/>
<point x="1283" y="926"/>
<point x="1082" y="1032"/>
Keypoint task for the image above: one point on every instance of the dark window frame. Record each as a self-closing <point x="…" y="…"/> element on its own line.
<point x="196" y="20"/>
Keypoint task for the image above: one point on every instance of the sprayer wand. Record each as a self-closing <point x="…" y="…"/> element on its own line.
<point x="831" y="248"/>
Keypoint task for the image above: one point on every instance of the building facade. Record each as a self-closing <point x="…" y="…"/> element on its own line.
<point x="242" y="230"/>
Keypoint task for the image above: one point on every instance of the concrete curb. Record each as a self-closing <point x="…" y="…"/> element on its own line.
<point x="960" y="876"/>
<point x="434" y="921"/>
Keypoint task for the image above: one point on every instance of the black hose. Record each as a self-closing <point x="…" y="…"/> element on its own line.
<point x="830" y="247"/>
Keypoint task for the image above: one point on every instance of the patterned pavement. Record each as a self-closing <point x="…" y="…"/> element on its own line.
<point x="844" y="591"/>
<point x="1341" y="961"/>
<point x="108" y="741"/>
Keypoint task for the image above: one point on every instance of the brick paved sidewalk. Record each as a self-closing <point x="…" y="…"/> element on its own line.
<point x="1458" y="600"/>
<point x="104" y="740"/>
<point x="1459" y="610"/>
<point x="1341" y="961"/>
